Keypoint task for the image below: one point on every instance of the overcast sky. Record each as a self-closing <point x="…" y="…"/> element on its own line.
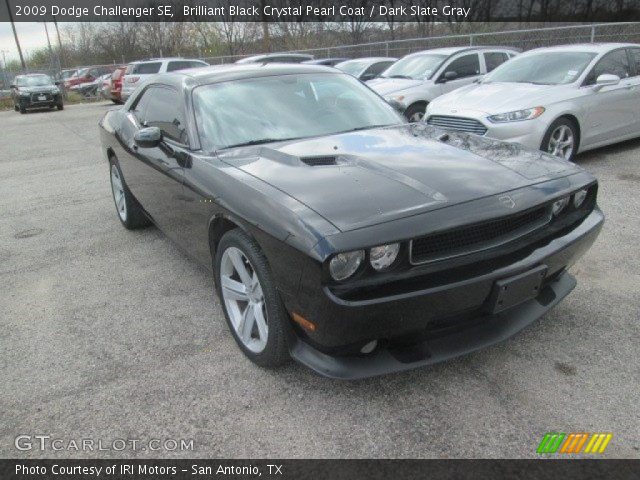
<point x="30" y="34"/>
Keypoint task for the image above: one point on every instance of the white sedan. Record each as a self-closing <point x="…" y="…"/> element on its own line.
<point x="562" y="100"/>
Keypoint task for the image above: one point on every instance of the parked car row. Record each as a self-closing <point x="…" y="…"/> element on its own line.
<point x="563" y="100"/>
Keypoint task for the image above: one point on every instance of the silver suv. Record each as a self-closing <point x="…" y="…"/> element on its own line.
<point x="137" y="72"/>
<point x="415" y="80"/>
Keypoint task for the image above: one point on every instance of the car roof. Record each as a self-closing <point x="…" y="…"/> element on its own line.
<point x="585" y="47"/>
<point x="371" y="59"/>
<point x="453" y="50"/>
<point x="194" y="77"/>
<point x="258" y="58"/>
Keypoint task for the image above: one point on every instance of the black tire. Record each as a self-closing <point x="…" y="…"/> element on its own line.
<point x="566" y="122"/>
<point x="23" y="110"/>
<point x="16" y="108"/>
<point x="134" y="217"/>
<point x="60" y="106"/>
<point x="276" y="351"/>
<point x="415" y="110"/>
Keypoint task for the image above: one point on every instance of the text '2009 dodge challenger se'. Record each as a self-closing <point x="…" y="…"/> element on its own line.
<point x="338" y="234"/>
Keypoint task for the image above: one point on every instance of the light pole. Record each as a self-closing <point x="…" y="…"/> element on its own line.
<point x="4" y="69"/>
<point x="15" y="35"/>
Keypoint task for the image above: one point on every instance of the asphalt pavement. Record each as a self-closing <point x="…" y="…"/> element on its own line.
<point x="108" y="334"/>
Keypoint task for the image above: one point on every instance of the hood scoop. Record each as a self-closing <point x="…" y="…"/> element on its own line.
<point x="319" y="161"/>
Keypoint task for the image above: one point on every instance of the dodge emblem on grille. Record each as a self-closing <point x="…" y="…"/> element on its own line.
<point x="507" y="201"/>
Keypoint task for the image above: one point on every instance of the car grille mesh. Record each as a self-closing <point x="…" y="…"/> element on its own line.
<point x="460" y="241"/>
<point x="457" y="123"/>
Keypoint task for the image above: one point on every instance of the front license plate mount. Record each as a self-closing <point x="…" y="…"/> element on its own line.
<point x="512" y="291"/>
<point x="42" y="98"/>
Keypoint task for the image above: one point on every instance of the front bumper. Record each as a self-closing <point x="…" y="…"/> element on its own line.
<point x="528" y="133"/>
<point x="32" y="101"/>
<point x="437" y="323"/>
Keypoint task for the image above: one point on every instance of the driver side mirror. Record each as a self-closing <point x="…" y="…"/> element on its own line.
<point x="606" y="79"/>
<point x="148" y="137"/>
<point x="448" y="76"/>
<point x="12" y="86"/>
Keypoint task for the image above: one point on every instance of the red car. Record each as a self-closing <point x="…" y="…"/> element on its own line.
<point x="116" y="84"/>
<point x="88" y="74"/>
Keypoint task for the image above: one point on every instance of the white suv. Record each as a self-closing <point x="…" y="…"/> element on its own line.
<point x="415" y="80"/>
<point x="137" y="72"/>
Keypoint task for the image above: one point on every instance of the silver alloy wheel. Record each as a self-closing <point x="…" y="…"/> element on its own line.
<point x="118" y="193"/>
<point x="416" y="117"/>
<point x="561" y="142"/>
<point x="243" y="297"/>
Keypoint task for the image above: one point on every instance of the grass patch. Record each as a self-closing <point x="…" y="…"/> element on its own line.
<point x="6" y="103"/>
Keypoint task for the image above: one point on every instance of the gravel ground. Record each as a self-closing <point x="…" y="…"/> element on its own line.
<point x="109" y="334"/>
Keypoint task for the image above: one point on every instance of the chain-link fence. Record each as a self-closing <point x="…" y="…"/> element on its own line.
<point x="523" y="39"/>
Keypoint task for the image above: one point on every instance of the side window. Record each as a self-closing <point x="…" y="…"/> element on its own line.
<point x="164" y="111"/>
<point x="141" y="106"/>
<point x="466" y="66"/>
<point x="614" y="63"/>
<point x="182" y="64"/>
<point x="635" y="59"/>
<point x="494" y="59"/>
<point x="376" y="69"/>
<point x="150" y="67"/>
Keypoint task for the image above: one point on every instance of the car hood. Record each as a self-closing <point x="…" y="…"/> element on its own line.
<point x="382" y="174"/>
<point x="499" y="97"/>
<point x="385" y="86"/>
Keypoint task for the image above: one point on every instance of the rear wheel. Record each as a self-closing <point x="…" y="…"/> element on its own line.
<point x="252" y="305"/>
<point x="561" y="139"/>
<point x="129" y="210"/>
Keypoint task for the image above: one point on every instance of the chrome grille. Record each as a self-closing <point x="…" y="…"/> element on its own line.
<point x="473" y="238"/>
<point x="457" y="123"/>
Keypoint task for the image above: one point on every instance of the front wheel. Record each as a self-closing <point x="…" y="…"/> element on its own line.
<point x="251" y="303"/>
<point x="60" y="106"/>
<point x="561" y="139"/>
<point x="415" y="113"/>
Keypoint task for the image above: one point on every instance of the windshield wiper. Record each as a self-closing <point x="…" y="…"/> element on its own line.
<point x="260" y="141"/>
<point x="407" y="77"/>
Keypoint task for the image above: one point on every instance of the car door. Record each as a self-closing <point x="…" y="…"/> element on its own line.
<point x="155" y="175"/>
<point x="610" y="112"/>
<point x="634" y="85"/>
<point x="466" y="68"/>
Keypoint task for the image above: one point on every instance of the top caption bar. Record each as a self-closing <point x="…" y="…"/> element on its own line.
<point x="319" y="10"/>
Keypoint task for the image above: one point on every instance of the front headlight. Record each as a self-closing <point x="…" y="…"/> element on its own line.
<point x="383" y="256"/>
<point x="579" y="197"/>
<point x="517" y="116"/>
<point x="343" y="265"/>
<point x="559" y="205"/>
<point x="24" y="94"/>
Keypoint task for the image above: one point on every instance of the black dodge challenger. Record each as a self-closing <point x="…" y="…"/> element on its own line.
<point x="338" y="234"/>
